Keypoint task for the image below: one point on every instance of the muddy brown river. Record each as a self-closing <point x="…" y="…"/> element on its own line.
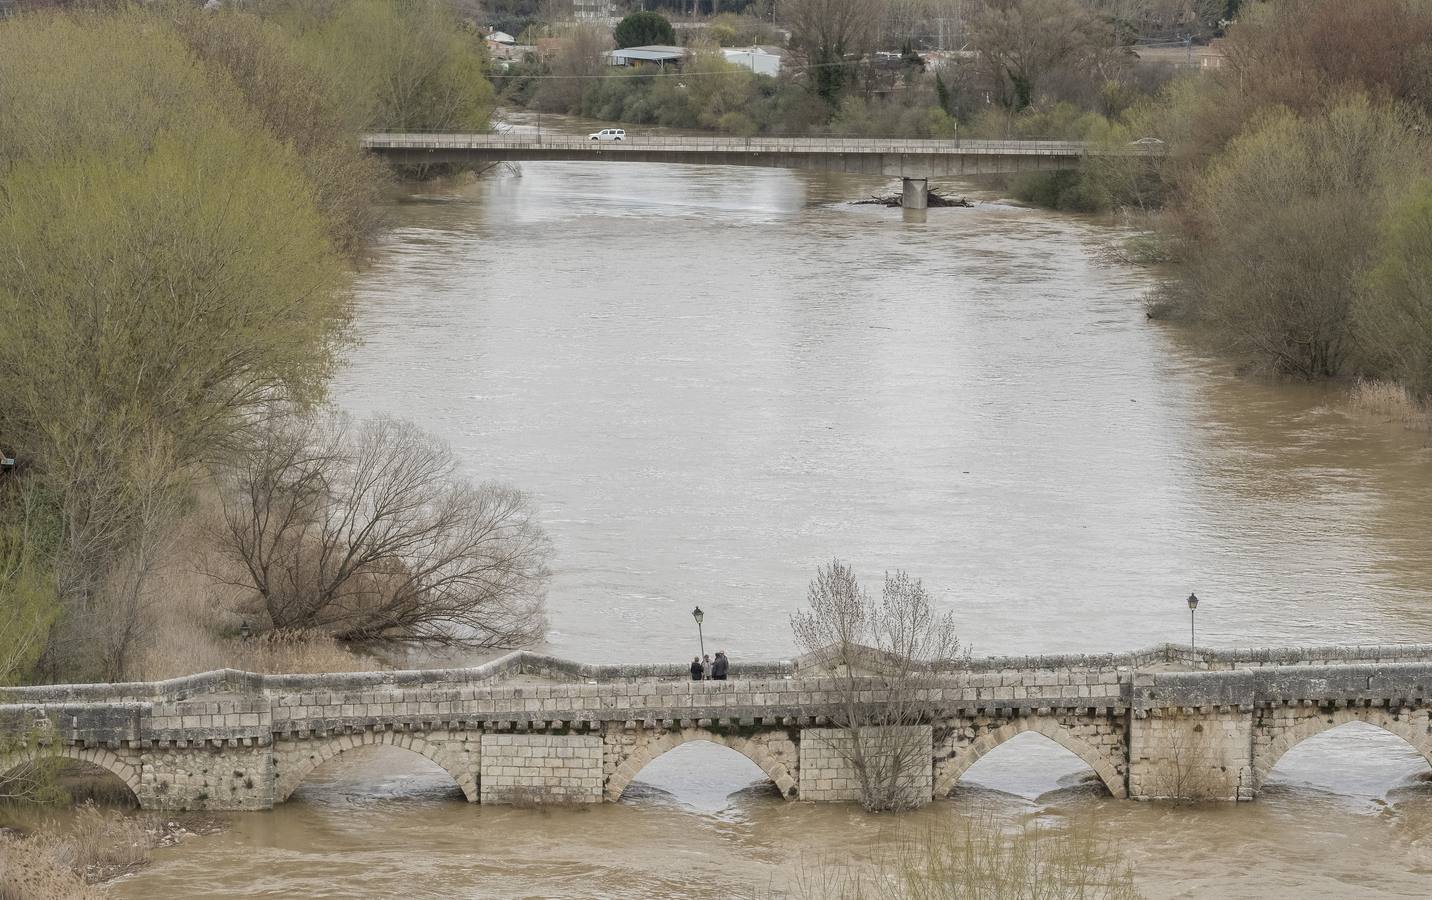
<point x="714" y="379"/>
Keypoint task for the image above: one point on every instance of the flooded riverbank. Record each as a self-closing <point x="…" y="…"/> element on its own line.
<point x="712" y="380"/>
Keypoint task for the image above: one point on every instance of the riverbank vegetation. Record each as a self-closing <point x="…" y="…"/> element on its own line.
<point x="182" y="202"/>
<point x="1294" y="198"/>
<point x="851" y="67"/>
<point x="63" y="857"/>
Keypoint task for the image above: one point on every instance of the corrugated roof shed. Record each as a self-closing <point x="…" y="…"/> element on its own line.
<point x="652" y="53"/>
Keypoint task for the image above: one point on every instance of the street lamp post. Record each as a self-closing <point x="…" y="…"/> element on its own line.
<point x="1192" y="605"/>
<point x="700" y="617"/>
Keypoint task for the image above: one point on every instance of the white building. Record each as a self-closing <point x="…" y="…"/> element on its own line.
<point x="659" y="55"/>
<point x="757" y="59"/>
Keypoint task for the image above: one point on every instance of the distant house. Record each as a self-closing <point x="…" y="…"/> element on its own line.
<point x="1183" y="55"/>
<point x="502" y="45"/>
<point x="757" y="59"/>
<point x="657" y="55"/>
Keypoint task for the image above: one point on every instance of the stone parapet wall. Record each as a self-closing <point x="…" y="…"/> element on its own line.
<point x="730" y="702"/>
<point x="234" y="682"/>
<point x="85" y="724"/>
<point x="232" y="718"/>
<point x="334" y="704"/>
<point x="1395" y="683"/>
<point x="1367" y="654"/>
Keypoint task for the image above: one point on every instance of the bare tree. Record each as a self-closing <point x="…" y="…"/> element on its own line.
<point x="577" y="61"/>
<point x="829" y="37"/>
<point x="1022" y="41"/>
<point x="885" y="656"/>
<point x="369" y="534"/>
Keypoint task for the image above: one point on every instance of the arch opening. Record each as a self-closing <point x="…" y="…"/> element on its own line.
<point x="1355" y="752"/>
<point x="698" y="774"/>
<point x="71" y="774"/>
<point x="381" y="766"/>
<point x="764" y="763"/>
<point x="1028" y="758"/>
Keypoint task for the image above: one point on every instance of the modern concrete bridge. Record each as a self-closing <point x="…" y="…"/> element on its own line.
<point x="915" y="161"/>
<point x="1159" y="723"/>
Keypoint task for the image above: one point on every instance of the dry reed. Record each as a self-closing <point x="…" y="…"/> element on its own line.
<point x="1390" y="401"/>
<point x="34" y="868"/>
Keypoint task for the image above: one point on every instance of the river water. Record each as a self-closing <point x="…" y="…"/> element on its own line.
<point x="712" y="380"/>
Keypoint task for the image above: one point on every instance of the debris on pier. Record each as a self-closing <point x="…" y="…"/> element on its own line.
<point x="935" y="200"/>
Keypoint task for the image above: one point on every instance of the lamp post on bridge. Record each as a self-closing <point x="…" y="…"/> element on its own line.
<point x="1192" y="605"/>
<point x="700" y="617"/>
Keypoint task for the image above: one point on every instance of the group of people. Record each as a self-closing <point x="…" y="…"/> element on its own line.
<point x="704" y="668"/>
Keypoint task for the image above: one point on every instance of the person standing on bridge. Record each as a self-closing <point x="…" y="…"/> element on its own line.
<point x="719" y="667"/>
<point x="697" y="670"/>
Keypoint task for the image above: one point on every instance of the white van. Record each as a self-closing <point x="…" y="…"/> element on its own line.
<point x="609" y="134"/>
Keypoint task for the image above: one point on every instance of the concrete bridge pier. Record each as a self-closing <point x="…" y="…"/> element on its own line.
<point x="915" y="199"/>
<point x="916" y="195"/>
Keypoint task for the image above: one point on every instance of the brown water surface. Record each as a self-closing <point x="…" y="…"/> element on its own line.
<point x="714" y="379"/>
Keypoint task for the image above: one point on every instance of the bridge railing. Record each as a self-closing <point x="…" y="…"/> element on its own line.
<point x="725" y="144"/>
<point x="521" y="662"/>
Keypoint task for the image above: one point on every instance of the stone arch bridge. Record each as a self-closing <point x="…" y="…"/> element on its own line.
<point x="1159" y="723"/>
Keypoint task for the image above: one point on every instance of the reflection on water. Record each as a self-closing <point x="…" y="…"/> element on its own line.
<point x="712" y="380"/>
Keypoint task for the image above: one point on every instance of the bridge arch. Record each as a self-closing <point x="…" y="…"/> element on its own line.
<point x="301" y="764"/>
<point x="1399" y="724"/>
<point x="95" y="756"/>
<point x="650" y="749"/>
<point x="1106" y="770"/>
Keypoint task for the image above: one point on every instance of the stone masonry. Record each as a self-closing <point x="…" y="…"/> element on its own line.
<point x="1160" y="723"/>
<point x="828" y="773"/>
<point x="554" y="768"/>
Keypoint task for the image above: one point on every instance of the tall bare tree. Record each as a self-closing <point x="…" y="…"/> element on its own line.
<point x="369" y="534"/>
<point x="830" y="37"/>
<point x="1022" y="41"/>
<point x="885" y="655"/>
<point x="577" y="61"/>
